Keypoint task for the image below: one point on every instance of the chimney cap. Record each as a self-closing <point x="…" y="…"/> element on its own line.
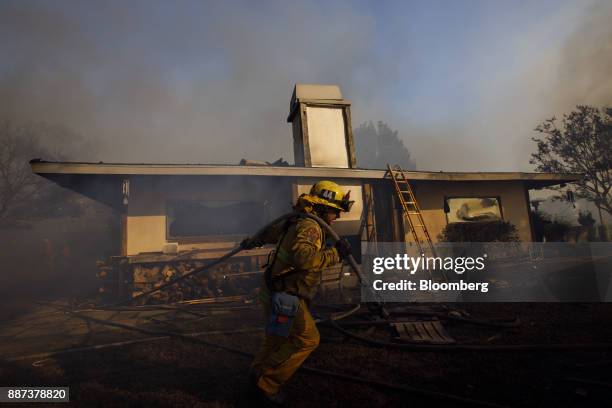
<point x="316" y="93"/>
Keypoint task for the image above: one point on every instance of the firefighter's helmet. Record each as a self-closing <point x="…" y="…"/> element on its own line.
<point x="331" y="195"/>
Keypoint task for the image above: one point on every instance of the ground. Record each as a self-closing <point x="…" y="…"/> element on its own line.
<point x="55" y="258"/>
<point x="176" y="372"/>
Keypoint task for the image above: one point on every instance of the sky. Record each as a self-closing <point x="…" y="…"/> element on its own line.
<point x="463" y="82"/>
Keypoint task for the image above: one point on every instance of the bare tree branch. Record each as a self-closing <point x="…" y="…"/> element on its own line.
<point x="18" y="144"/>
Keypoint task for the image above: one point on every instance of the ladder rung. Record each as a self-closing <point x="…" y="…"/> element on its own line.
<point x="414" y="212"/>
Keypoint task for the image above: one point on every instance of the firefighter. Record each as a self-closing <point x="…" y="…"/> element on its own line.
<point x="290" y="282"/>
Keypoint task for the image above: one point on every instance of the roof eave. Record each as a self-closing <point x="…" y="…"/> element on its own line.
<point x="114" y="169"/>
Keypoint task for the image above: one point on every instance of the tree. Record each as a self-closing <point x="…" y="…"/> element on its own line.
<point x="22" y="193"/>
<point x="378" y="145"/>
<point x="18" y="145"/>
<point x="582" y="144"/>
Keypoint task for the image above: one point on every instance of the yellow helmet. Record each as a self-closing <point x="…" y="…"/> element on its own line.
<point x="329" y="194"/>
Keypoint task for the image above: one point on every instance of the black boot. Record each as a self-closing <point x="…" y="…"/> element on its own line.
<point x="259" y="398"/>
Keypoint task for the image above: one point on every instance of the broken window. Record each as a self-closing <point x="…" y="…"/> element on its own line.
<point x="211" y="218"/>
<point x="472" y="209"/>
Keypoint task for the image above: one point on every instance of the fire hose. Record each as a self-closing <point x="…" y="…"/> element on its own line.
<point x="378" y="308"/>
<point x="204" y="267"/>
<point x="193" y="338"/>
<point x="378" y="304"/>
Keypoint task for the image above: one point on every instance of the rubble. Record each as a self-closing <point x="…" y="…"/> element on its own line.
<point x="121" y="280"/>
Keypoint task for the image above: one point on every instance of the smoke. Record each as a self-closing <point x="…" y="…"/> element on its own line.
<point x="578" y="73"/>
<point x="586" y="61"/>
<point x="210" y="82"/>
<point x="563" y="61"/>
<point x="192" y="82"/>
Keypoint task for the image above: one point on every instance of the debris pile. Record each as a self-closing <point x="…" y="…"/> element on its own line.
<point x="121" y="280"/>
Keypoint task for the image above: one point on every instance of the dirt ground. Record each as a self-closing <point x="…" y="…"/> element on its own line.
<point x="175" y="372"/>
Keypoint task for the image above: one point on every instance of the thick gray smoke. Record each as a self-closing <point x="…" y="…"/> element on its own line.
<point x="586" y="61"/>
<point x="564" y="61"/>
<point x="210" y="82"/>
<point x="207" y="83"/>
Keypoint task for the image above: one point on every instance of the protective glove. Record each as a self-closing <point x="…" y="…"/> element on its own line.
<point x="343" y="248"/>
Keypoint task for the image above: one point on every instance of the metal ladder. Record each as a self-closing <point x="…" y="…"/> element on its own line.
<point x="411" y="209"/>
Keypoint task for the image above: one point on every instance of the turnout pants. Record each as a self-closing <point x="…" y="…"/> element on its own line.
<point x="279" y="357"/>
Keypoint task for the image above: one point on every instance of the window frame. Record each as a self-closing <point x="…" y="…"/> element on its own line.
<point x="208" y="238"/>
<point x="497" y="197"/>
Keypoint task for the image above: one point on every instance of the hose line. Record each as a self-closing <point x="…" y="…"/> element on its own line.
<point x="472" y="347"/>
<point x="375" y="383"/>
<point x="324" y="225"/>
<point x="202" y="268"/>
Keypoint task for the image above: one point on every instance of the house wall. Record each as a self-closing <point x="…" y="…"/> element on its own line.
<point x="146" y="216"/>
<point x="146" y="213"/>
<point x="430" y="196"/>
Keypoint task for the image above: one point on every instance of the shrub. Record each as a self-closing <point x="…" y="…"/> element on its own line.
<point x="490" y="231"/>
<point x="585" y="218"/>
<point x="554" y="230"/>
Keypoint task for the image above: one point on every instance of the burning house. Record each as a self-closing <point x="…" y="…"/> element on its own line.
<point x="175" y="217"/>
